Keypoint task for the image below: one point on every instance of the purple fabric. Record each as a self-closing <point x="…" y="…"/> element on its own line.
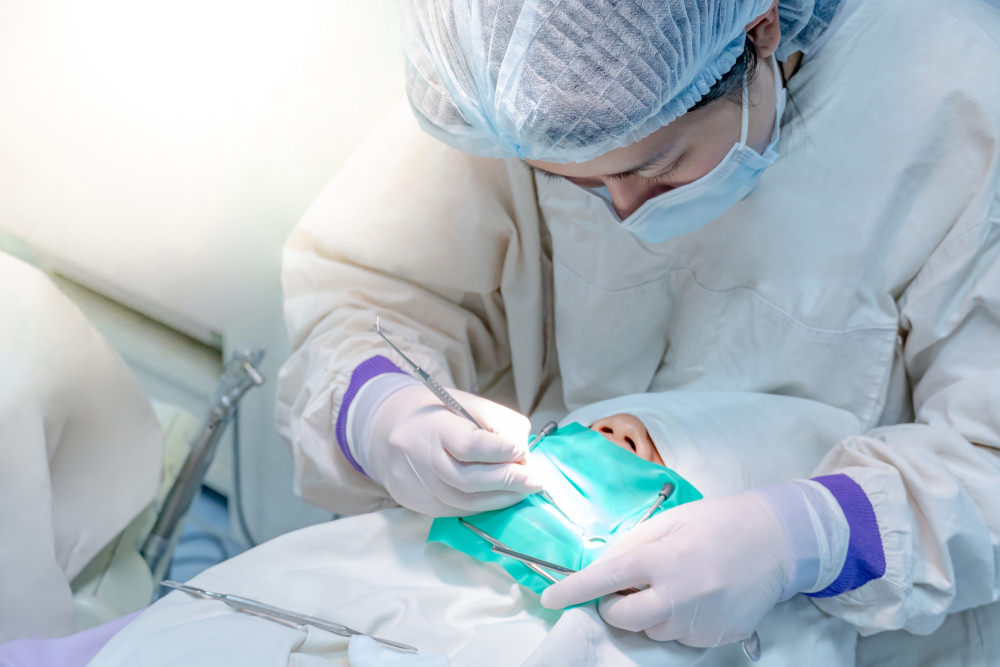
<point x="365" y="371"/>
<point x="865" y="554"/>
<point x="70" y="651"/>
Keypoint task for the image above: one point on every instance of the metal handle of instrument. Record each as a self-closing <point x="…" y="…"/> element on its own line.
<point x="271" y="612"/>
<point x="447" y="399"/>
<point x="525" y="558"/>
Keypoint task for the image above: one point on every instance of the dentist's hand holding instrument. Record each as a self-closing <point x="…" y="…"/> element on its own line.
<point x="447" y="452"/>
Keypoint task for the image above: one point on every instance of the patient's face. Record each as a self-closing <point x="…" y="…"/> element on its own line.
<point x="629" y="433"/>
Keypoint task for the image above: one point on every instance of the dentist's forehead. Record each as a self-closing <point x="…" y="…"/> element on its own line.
<point x="647" y="152"/>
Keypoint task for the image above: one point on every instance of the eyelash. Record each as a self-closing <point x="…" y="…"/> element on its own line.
<point x="649" y="180"/>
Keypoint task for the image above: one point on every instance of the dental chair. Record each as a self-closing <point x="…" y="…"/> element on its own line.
<point x="87" y="521"/>
<point x="125" y="574"/>
<point x="118" y="580"/>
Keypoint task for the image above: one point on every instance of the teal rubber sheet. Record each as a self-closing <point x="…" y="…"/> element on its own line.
<point x="601" y="491"/>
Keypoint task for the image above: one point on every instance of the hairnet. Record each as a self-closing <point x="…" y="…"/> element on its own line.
<point x="568" y="80"/>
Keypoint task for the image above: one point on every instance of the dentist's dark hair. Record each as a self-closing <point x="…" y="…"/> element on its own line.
<point x="730" y="86"/>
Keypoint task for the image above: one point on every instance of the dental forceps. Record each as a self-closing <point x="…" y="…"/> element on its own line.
<point x="432" y="384"/>
<point x="540" y="567"/>
<point x="280" y="615"/>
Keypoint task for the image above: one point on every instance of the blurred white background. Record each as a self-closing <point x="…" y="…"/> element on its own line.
<point x="157" y="155"/>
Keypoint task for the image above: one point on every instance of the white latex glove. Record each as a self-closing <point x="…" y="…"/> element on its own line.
<point x="713" y="569"/>
<point x="439" y="464"/>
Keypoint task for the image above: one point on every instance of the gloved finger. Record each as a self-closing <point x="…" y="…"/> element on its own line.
<point x="638" y="611"/>
<point x="480" y="477"/>
<point x="682" y="632"/>
<point x="509" y="424"/>
<point x="479" y="446"/>
<point x="671" y="629"/>
<point x="438" y="500"/>
<point x="463" y="504"/>
<point x="659" y="526"/>
<point x="596" y="580"/>
<point x="474" y="503"/>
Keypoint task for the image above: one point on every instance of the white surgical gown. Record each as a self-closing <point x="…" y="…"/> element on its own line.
<point x="863" y="272"/>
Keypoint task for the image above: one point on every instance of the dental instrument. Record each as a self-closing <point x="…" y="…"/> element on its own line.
<point x="546" y="431"/>
<point x="432" y="384"/>
<point x="452" y="404"/>
<point x="502" y="548"/>
<point x="280" y="615"/>
<point x="551" y="501"/>
<point x="524" y="558"/>
<point x="536" y="569"/>
<point x="535" y="564"/>
<point x="664" y="493"/>
<point x="510" y="552"/>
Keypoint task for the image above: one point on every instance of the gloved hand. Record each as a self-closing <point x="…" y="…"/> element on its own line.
<point x="713" y="568"/>
<point x="439" y="464"/>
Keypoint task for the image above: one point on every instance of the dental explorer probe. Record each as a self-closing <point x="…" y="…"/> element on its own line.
<point x="432" y="384"/>
<point x="280" y="615"/>
<point x="452" y="404"/>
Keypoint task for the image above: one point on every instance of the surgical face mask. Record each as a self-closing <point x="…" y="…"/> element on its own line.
<point x="599" y="491"/>
<point x="692" y="206"/>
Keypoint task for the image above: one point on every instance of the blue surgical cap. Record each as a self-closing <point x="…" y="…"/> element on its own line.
<point x="568" y="80"/>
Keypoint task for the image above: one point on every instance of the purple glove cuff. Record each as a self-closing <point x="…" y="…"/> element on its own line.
<point x="365" y="371"/>
<point x="865" y="554"/>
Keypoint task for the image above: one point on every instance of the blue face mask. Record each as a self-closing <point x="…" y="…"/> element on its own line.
<point x="692" y="206"/>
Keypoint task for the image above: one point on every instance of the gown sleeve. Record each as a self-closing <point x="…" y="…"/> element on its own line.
<point x="417" y="233"/>
<point x="923" y="499"/>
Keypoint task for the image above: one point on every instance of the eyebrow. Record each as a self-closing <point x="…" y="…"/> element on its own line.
<point x="652" y="162"/>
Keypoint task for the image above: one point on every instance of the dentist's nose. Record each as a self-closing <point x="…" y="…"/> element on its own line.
<point x="628" y="194"/>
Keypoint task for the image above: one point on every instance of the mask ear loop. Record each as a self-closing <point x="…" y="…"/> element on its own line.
<point x="745" y="111"/>
<point x="780" y="72"/>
